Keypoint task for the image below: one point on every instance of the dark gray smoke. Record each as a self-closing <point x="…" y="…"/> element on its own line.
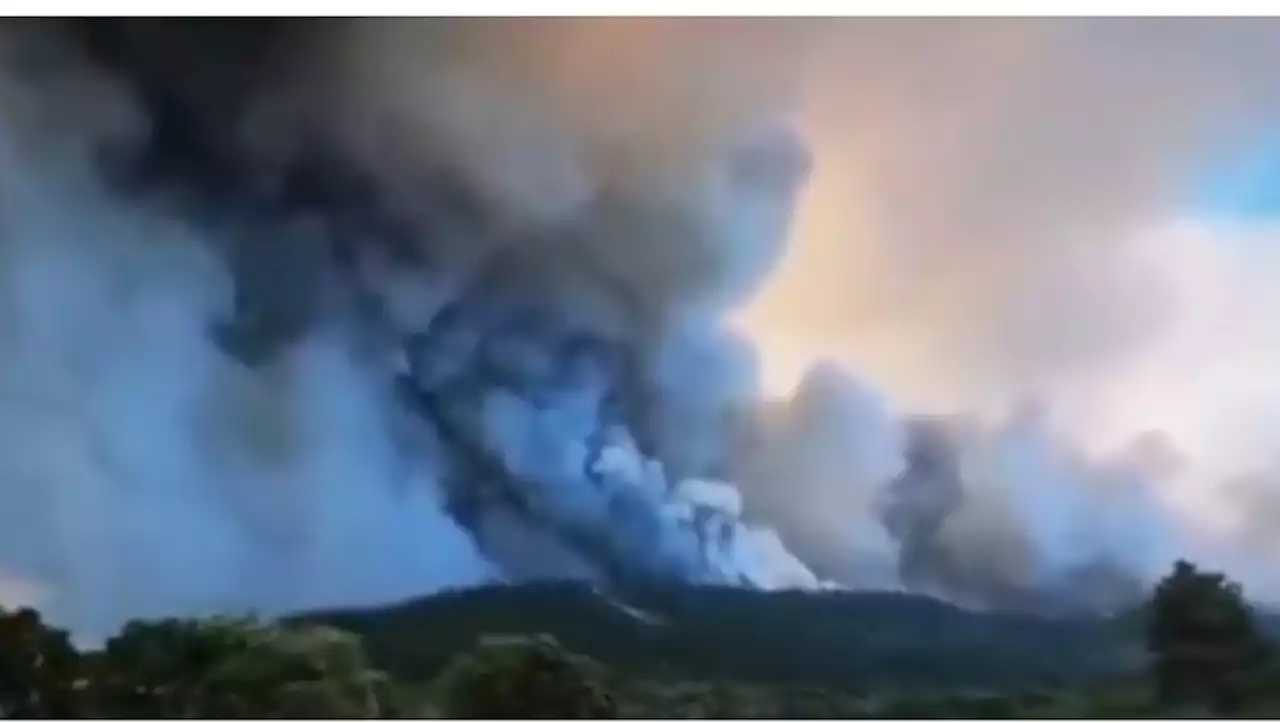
<point x="925" y="510"/>
<point x="989" y="514"/>
<point x="307" y="313"/>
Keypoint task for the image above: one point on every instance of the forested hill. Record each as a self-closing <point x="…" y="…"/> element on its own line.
<point x="839" y="640"/>
<point x="1195" y="649"/>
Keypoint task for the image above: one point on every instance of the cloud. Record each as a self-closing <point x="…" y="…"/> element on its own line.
<point x="544" y="238"/>
<point x="1005" y="210"/>
<point x="975" y="227"/>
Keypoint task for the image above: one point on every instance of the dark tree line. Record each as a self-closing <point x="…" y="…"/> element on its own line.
<point x="1206" y="649"/>
<point x="233" y="668"/>
<point x="218" y="668"/>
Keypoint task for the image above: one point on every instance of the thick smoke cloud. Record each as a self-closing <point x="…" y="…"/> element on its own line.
<point x="278" y="376"/>
<point x="1003" y="210"/>
<point x="1008" y="515"/>
<point x="987" y="192"/>
<point x="144" y="472"/>
<point x="315" y="313"/>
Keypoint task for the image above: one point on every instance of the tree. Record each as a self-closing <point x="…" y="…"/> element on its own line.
<point x="227" y="668"/>
<point x="524" y="678"/>
<point x="40" y="671"/>
<point x="1204" y="645"/>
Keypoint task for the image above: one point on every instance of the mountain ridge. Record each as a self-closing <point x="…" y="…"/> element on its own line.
<point x="834" y="639"/>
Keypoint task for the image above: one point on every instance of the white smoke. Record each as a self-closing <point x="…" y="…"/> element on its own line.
<point x="499" y="353"/>
<point x="144" y="472"/>
<point x="148" y="472"/>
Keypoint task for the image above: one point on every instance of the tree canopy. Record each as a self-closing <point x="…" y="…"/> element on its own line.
<point x="1204" y="643"/>
<point x="533" y="677"/>
<point x="697" y="653"/>
<point x="39" y="668"/>
<point x="216" y="668"/>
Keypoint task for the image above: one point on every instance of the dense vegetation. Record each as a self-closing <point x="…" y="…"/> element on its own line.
<point x="837" y="640"/>
<point x="562" y="651"/>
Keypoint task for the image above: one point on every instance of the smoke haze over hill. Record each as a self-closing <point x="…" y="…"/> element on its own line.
<point x="317" y="313"/>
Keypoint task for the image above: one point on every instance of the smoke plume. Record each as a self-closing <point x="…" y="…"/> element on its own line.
<point x="291" y="328"/>
<point x="315" y="313"/>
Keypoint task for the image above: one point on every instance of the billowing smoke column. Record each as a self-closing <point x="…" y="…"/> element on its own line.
<point x="307" y="314"/>
<point x="1003" y="514"/>
<point x="274" y="376"/>
<point x="1047" y="532"/>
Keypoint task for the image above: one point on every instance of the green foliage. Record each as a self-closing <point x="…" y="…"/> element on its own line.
<point x="838" y="640"/>
<point x="524" y="678"/>
<point x="691" y="652"/>
<point x="39" y="669"/>
<point x="224" y="668"/>
<point x="1206" y="649"/>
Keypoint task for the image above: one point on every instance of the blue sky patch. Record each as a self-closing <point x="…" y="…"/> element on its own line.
<point x="1243" y="185"/>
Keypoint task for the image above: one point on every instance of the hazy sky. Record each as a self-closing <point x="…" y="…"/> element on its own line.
<point x="1083" y="213"/>
<point x="1076" y="217"/>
